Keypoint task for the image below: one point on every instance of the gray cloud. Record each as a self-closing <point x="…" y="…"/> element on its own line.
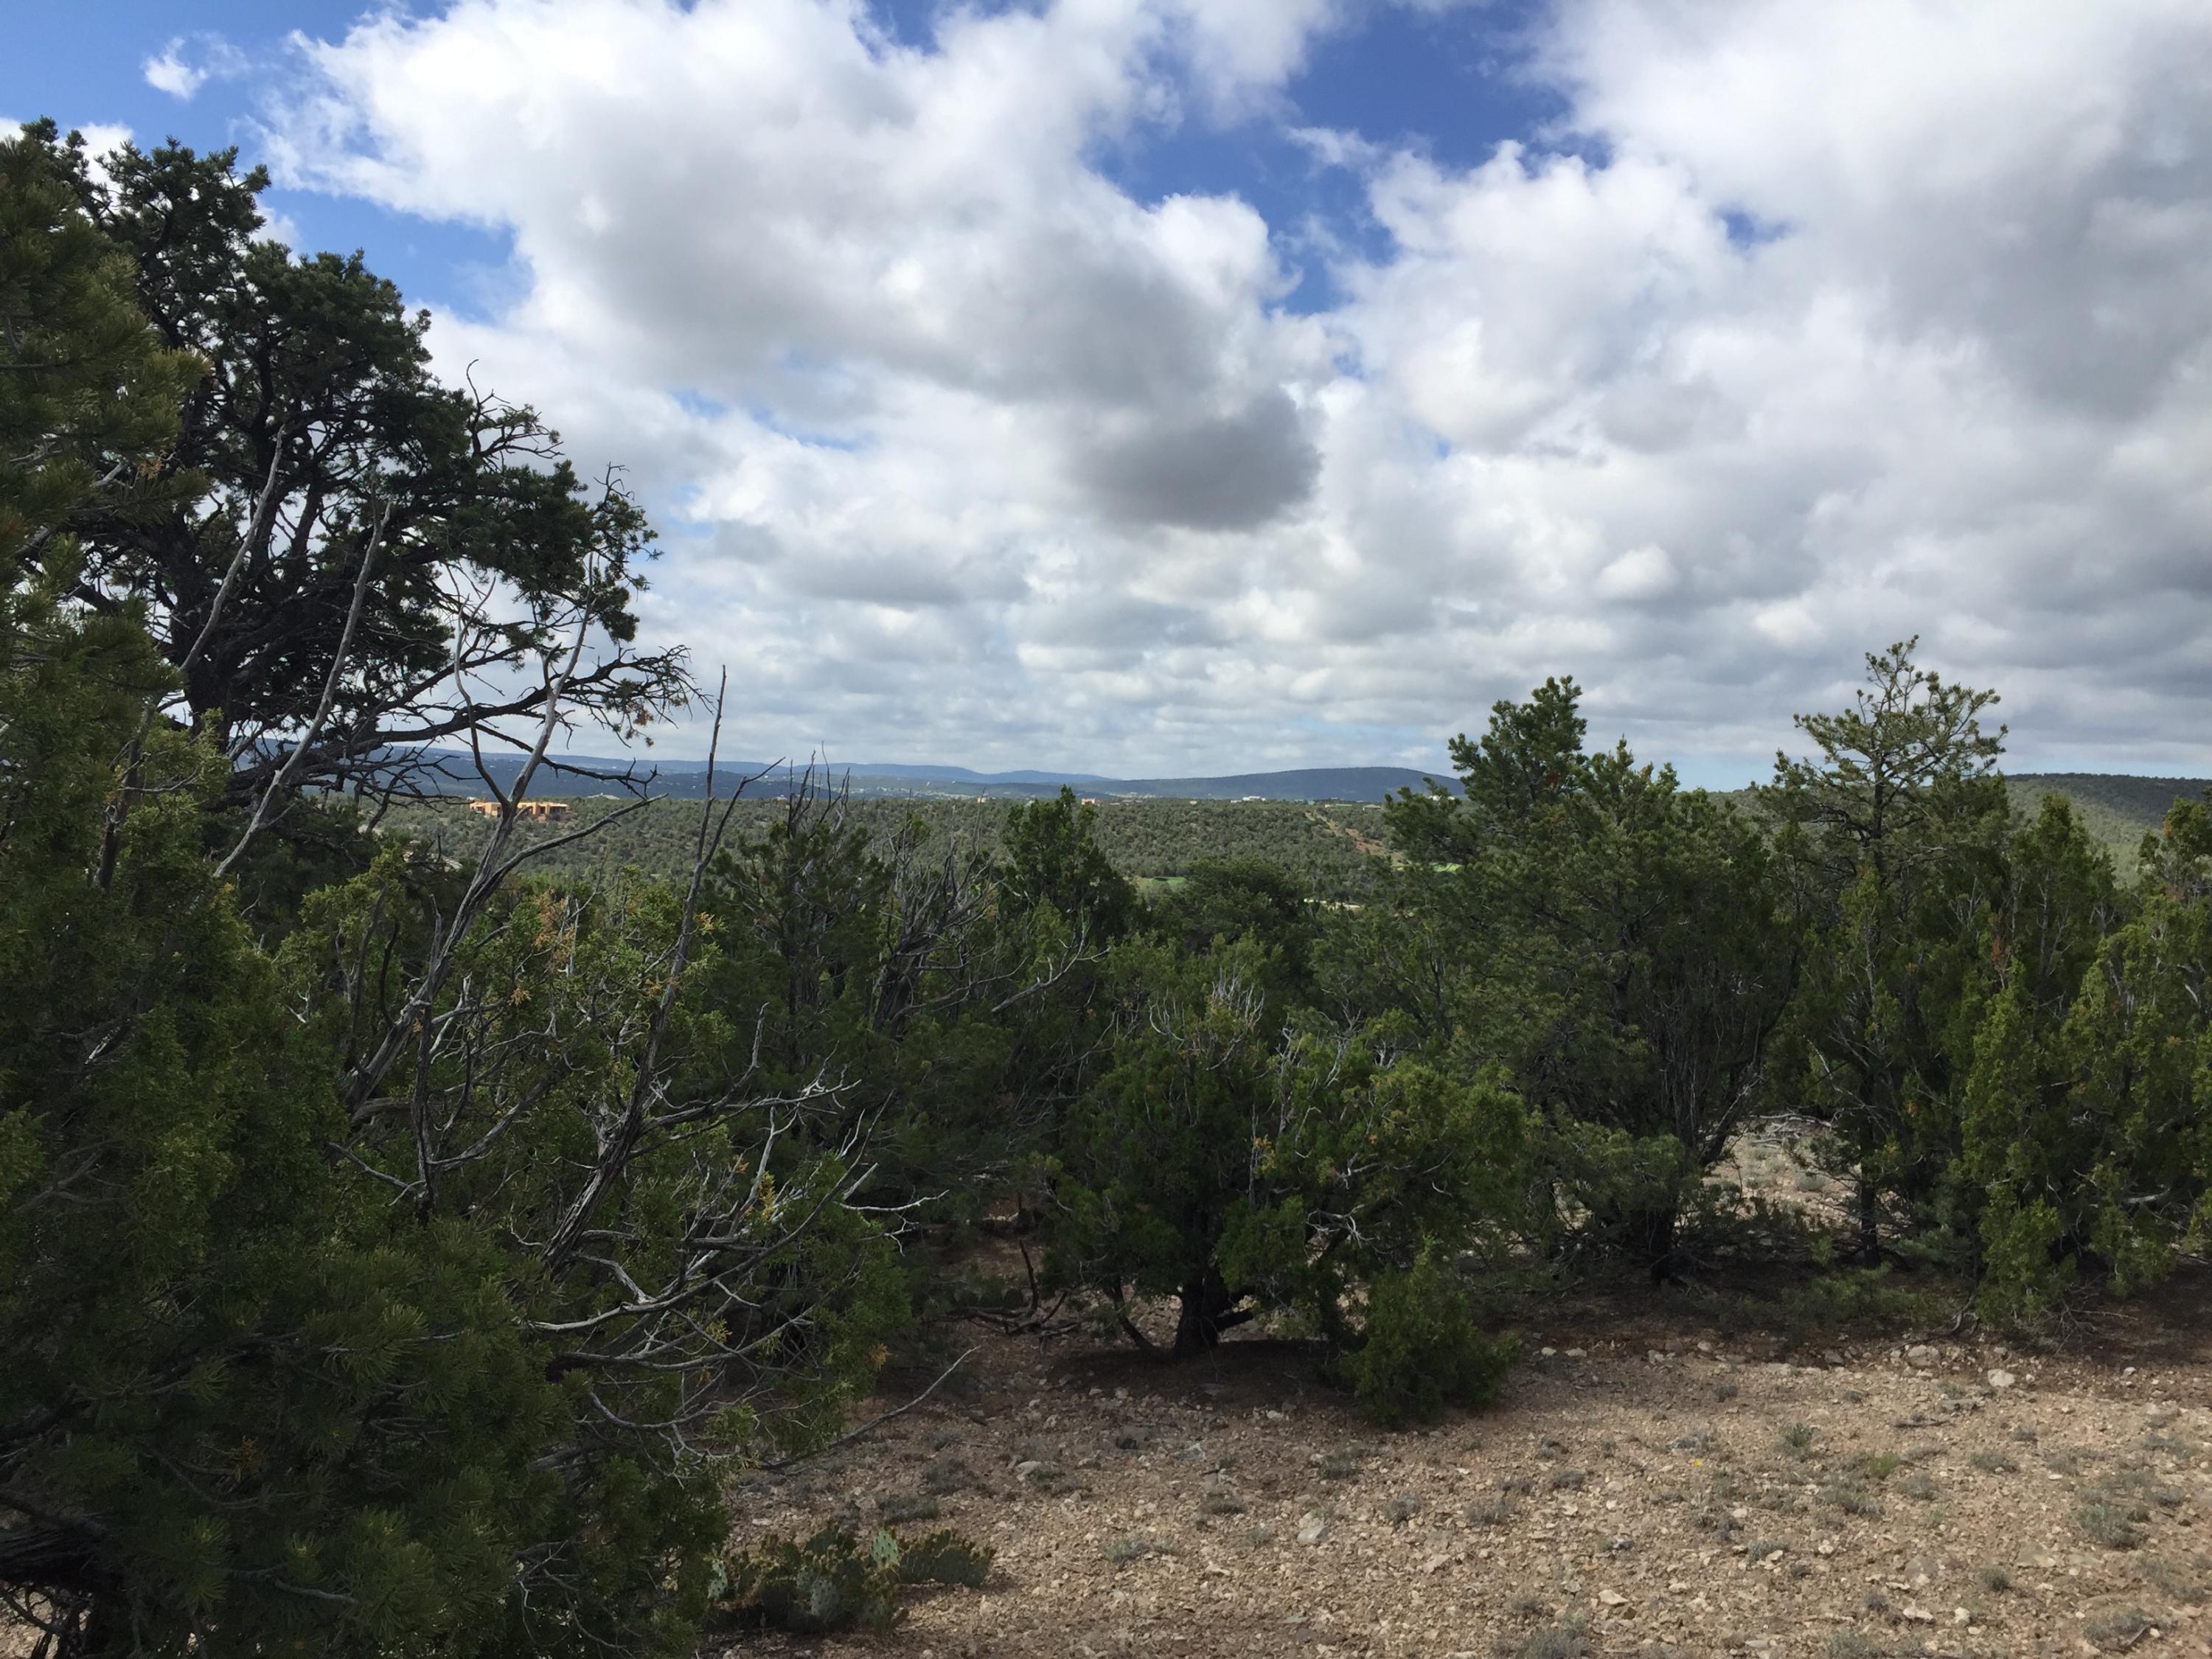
<point x="1233" y="472"/>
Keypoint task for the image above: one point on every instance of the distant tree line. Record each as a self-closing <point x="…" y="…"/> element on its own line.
<point x="406" y="1238"/>
<point x="1329" y="847"/>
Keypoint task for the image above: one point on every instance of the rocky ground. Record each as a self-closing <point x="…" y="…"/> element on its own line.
<point x="1646" y="1484"/>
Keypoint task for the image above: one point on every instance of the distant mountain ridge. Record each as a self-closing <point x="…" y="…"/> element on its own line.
<point x="687" y="779"/>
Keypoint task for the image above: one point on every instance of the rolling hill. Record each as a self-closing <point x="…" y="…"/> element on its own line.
<point x="2117" y="808"/>
<point x="686" y="780"/>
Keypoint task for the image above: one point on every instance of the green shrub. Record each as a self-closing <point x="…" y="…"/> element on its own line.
<point x="1850" y="1497"/>
<point x="2118" y="1630"/>
<point x="827" y="1583"/>
<point x="2116" y="1524"/>
<point x="831" y="1581"/>
<point x="1422" y="1352"/>
<point x="2184" y="1581"/>
<point x="1243" y="1162"/>
<point x="1561" y="1641"/>
<point x="945" y="1557"/>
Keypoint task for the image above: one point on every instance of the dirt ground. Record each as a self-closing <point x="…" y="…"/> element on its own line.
<point x="1646" y="1484"/>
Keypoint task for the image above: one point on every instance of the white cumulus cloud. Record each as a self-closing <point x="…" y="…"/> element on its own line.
<point x="167" y="71"/>
<point x="1809" y="327"/>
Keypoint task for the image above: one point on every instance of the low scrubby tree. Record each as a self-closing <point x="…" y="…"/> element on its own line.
<point x="346" y="562"/>
<point x="1239" y="1166"/>
<point x="410" y="1287"/>
<point x="1625" y="954"/>
<point x="2085" y="1104"/>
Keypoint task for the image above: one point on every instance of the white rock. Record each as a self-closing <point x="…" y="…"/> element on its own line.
<point x="1921" y="1355"/>
<point x="2002" y="1379"/>
<point x="1312" y="1529"/>
<point x="1612" y="1598"/>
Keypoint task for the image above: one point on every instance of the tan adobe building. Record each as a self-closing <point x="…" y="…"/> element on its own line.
<point x="538" y="811"/>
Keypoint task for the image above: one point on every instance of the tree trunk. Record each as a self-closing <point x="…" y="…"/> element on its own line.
<point x="1868" y="1249"/>
<point x="1648" y="1236"/>
<point x="1209" y="1308"/>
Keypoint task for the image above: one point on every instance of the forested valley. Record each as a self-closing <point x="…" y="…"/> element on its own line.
<point x="416" y="1226"/>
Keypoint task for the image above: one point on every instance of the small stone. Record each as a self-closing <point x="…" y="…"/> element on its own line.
<point x="1960" y="1616"/>
<point x="1545" y="1353"/>
<point x="1612" y="1598"/>
<point x="2002" y="1379"/>
<point x="1826" y="1546"/>
<point x="1435" y="1563"/>
<point x="1313" y="1529"/>
<point x="1920" y="1356"/>
<point x="1577" y="1353"/>
<point x="1917" y="1616"/>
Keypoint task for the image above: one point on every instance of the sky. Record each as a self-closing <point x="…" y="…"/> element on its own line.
<point x="1155" y="387"/>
